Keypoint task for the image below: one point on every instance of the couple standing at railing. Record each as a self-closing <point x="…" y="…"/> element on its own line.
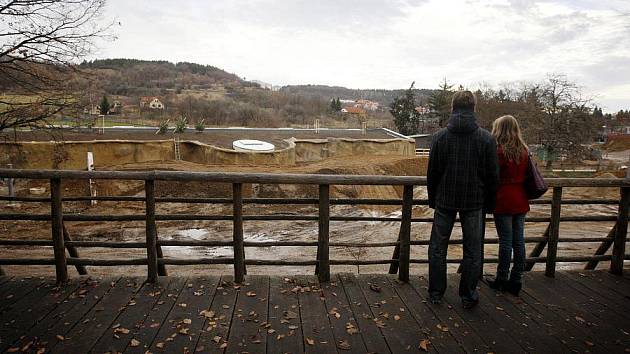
<point x="474" y="172"/>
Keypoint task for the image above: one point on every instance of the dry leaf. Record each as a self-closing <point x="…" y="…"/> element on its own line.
<point x="375" y="288"/>
<point x="250" y="293"/>
<point x="216" y="339"/>
<point x="396" y="317"/>
<point x="280" y="336"/>
<point x="160" y="345"/>
<point x="134" y="342"/>
<point x="310" y="341"/>
<point x="60" y="337"/>
<point x="207" y="313"/>
<point x="424" y="345"/>
<point x="442" y="328"/>
<point x="184" y="331"/>
<point x="122" y="330"/>
<point x="187" y="321"/>
<point x="271" y="331"/>
<point x="344" y="345"/>
<point x="13" y="350"/>
<point x="223" y="346"/>
<point x="590" y="344"/>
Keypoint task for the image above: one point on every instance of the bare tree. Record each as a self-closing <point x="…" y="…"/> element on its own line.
<point x="565" y="122"/>
<point x="41" y="42"/>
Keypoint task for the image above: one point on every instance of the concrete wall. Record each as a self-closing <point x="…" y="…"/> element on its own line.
<point x="319" y="149"/>
<point x="72" y="155"/>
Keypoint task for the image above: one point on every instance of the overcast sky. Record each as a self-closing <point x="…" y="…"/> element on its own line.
<point x="387" y="43"/>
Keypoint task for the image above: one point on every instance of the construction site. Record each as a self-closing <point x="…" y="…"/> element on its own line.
<point x="295" y="151"/>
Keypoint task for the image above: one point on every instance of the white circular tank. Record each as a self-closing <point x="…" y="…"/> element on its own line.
<point x="246" y="145"/>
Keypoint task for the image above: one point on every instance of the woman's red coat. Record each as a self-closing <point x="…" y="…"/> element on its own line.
<point x="511" y="197"/>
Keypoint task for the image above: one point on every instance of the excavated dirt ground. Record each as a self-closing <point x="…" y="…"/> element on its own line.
<point x="268" y="231"/>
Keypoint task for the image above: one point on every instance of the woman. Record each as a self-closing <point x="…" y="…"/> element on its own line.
<point x="512" y="203"/>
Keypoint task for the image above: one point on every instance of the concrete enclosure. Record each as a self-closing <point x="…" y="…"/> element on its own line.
<point x="72" y="154"/>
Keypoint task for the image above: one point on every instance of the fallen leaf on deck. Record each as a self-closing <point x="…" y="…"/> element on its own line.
<point x="590" y="344"/>
<point x="160" y="345"/>
<point x="184" y="331"/>
<point x="60" y="337"/>
<point x="580" y="319"/>
<point x="250" y="293"/>
<point x="216" y="339"/>
<point x="442" y="328"/>
<point x="396" y="317"/>
<point x="344" y="345"/>
<point x="207" y="313"/>
<point x="375" y="288"/>
<point x="187" y="321"/>
<point x="280" y="336"/>
<point x="271" y="331"/>
<point x="424" y="345"/>
<point x="310" y="341"/>
<point x="499" y="308"/>
<point x="13" y="350"/>
<point x="134" y="342"/>
<point x="290" y="315"/>
<point x="122" y="330"/>
<point x="182" y="305"/>
<point x="223" y="346"/>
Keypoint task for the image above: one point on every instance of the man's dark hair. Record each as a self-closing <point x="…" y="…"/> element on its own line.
<point x="463" y="100"/>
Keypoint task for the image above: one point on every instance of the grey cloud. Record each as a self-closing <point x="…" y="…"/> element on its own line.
<point x="611" y="70"/>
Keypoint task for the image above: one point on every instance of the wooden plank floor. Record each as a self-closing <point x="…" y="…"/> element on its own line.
<point x="580" y="312"/>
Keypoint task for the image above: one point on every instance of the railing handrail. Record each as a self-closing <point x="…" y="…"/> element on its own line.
<point x="275" y="178"/>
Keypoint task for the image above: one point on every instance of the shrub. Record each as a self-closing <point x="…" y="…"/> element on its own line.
<point x="163" y="127"/>
<point x="200" y="125"/>
<point x="180" y="126"/>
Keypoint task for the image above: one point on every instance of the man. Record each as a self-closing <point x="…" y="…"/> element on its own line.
<point x="462" y="178"/>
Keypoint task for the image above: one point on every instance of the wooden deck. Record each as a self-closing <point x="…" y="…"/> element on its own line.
<point x="575" y="312"/>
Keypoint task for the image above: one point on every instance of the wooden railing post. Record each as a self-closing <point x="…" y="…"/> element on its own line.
<point x="540" y="246"/>
<point x="56" y="214"/>
<point x="72" y="251"/>
<point x="323" y="239"/>
<point x="405" y="234"/>
<point x="619" y="246"/>
<point x="237" y="234"/>
<point x="151" y="231"/>
<point x="554" y="231"/>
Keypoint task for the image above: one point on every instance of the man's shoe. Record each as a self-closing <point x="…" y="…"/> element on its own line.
<point x="498" y="284"/>
<point x="436" y="300"/>
<point x="468" y="304"/>
<point x="513" y="287"/>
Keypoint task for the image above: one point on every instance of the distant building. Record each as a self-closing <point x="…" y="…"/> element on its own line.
<point x="151" y="102"/>
<point x="367" y="105"/>
<point x="354" y="110"/>
<point x="423" y="110"/>
<point x="116" y="108"/>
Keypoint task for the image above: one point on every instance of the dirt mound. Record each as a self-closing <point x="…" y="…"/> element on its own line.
<point x="592" y="192"/>
<point x="617" y="143"/>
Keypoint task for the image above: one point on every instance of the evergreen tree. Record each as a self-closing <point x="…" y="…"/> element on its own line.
<point x="338" y="106"/>
<point x="104" y="106"/>
<point x="406" y="118"/>
<point x="440" y="102"/>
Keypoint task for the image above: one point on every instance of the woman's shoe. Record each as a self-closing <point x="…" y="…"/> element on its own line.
<point x="513" y="287"/>
<point x="497" y="284"/>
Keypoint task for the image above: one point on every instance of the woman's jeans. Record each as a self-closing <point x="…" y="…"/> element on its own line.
<point x="510" y="232"/>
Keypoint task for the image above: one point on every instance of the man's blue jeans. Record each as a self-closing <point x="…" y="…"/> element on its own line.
<point x="510" y="232"/>
<point x="443" y="221"/>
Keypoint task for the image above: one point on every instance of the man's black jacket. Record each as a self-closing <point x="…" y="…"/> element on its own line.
<point x="463" y="171"/>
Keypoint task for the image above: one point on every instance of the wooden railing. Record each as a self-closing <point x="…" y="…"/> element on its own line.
<point x="400" y="261"/>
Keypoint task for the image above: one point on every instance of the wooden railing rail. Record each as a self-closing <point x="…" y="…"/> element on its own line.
<point x="400" y="261"/>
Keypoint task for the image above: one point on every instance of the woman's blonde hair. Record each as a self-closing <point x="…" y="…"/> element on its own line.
<point x="508" y="134"/>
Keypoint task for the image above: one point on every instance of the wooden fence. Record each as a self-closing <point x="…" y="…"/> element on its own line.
<point x="399" y="263"/>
